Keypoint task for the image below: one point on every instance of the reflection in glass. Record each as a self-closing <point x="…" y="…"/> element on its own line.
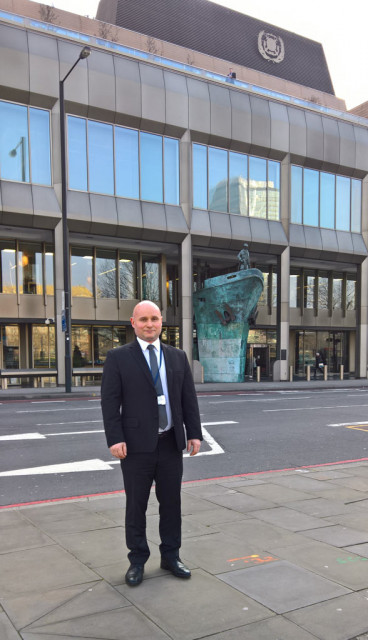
<point x="8" y="277"/>
<point x="126" y="162"/>
<point x="337" y="293"/>
<point x="309" y="292"/>
<point x="49" y="270"/>
<point x="171" y="169"/>
<point x="10" y="347"/>
<point x="77" y="153"/>
<point x="263" y="300"/>
<point x="238" y="183"/>
<point x="128" y="277"/>
<point x="43" y="346"/>
<point x="81" y="346"/>
<point x="356" y="206"/>
<point x="296" y="194"/>
<point x="257" y="187"/>
<point x="322" y="292"/>
<point x="350" y="294"/>
<point x="30" y="268"/>
<point x="39" y="127"/>
<point x="274" y="289"/>
<point x="310" y="197"/>
<point x="102" y="343"/>
<point x="273" y="191"/>
<point x="294" y="290"/>
<point x="14" y="163"/>
<point x="199" y="176"/>
<point x="100" y="157"/>
<point x="342" y="203"/>
<point x="118" y="336"/>
<point x="82" y="272"/>
<point x="151" y="167"/>
<point x="217" y="179"/>
<point x="327" y="200"/>
<point x="105" y="273"/>
<point x="151" y="278"/>
<point x="172" y="285"/>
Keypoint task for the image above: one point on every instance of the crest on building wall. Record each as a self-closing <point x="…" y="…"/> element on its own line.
<point x="271" y="47"/>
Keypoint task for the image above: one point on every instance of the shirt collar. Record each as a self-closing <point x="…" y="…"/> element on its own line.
<point x="144" y="344"/>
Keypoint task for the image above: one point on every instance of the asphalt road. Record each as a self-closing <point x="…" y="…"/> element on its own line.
<point x="57" y="449"/>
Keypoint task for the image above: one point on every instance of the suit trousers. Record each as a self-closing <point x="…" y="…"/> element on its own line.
<point x="164" y="466"/>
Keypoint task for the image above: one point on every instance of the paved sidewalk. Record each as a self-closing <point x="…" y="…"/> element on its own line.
<point x="274" y="556"/>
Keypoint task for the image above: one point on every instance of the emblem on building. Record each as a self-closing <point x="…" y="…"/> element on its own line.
<point x="271" y="47"/>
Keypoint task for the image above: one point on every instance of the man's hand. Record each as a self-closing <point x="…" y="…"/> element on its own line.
<point x="119" y="450"/>
<point x="193" y="447"/>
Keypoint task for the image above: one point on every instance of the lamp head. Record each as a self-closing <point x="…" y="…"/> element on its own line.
<point x="84" y="53"/>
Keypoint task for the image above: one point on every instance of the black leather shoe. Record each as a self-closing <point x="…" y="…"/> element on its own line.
<point x="134" y="575"/>
<point x="176" y="567"/>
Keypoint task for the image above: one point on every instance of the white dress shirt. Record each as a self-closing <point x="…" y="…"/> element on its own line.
<point x="162" y="371"/>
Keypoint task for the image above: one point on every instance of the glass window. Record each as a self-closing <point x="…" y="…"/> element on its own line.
<point x="30" y="268"/>
<point x="14" y="142"/>
<point x="82" y="272"/>
<point x="126" y="162"/>
<point x="128" y="277"/>
<point x="263" y="299"/>
<point x="323" y="292"/>
<point x="151" y="278"/>
<point x="100" y="157"/>
<point x="118" y="336"/>
<point x="310" y="197"/>
<point x="274" y="289"/>
<point x="309" y="292"/>
<point x="171" y="167"/>
<point x="199" y="176"/>
<point x="8" y="276"/>
<point x="77" y="153"/>
<point x="337" y="293"/>
<point x="39" y="128"/>
<point x="327" y="200"/>
<point x="49" y="270"/>
<point x="296" y="194"/>
<point x="342" y="203"/>
<point x="350" y="294"/>
<point x="43" y="346"/>
<point x="217" y="179"/>
<point x="238" y="183"/>
<point x="273" y="192"/>
<point x="10" y="346"/>
<point x="81" y="346"/>
<point x="172" y="285"/>
<point x="294" y="290"/>
<point x="151" y="167"/>
<point x="356" y="206"/>
<point x="257" y="187"/>
<point x="102" y="343"/>
<point x="106" y="273"/>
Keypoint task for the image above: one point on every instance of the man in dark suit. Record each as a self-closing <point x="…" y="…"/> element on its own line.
<point x="150" y="413"/>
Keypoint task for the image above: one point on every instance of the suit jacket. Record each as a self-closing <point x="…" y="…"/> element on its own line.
<point x="129" y="399"/>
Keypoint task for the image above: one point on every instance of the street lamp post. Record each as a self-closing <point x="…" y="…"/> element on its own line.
<point x="66" y="318"/>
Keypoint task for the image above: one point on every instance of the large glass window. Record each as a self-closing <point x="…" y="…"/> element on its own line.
<point x="77" y="153"/>
<point x="128" y="276"/>
<point x="43" y="346"/>
<point x="238" y="183"/>
<point x="100" y="157"/>
<point x="257" y="187"/>
<point x="309" y="285"/>
<point x="297" y="195"/>
<point x="151" y="167"/>
<point x="327" y="200"/>
<point x="337" y="292"/>
<point x="273" y="190"/>
<point x="39" y="129"/>
<point x="310" y="197"/>
<point x="90" y="344"/>
<point x="356" y="205"/>
<point x="171" y="168"/>
<point x="82" y="346"/>
<point x="126" y="162"/>
<point x="30" y="268"/>
<point x="323" y="292"/>
<point x="217" y="179"/>
<point x="82" y="272"/>
<point x="342" y="203"/>
<point x="294" y="290"/>
<point x="8" y="273"/>
<point x="102" y="343"/>
<point x="106" y="273"/>
<point x="9" y="352"/>
<point x="49" y="270"/>
<point x="199" y="176"/>
<point x="151" y="278"/>
<point x="350" y="294"/>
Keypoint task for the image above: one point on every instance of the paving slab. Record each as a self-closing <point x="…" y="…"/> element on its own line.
<point x="195" y="608"/>
<point x="357" y="482"/>
<point x="7" y="631"/>
<point x="260" y="534"/>
<point x="94" y="548"/>
<point x="357" y="519"/>
<point x="323" y="508"/>
<point x="282" y="586"/>
<point x="23" y="536"/>
<point x="272" y="629"/>
<point x="272" y="493"/>
<point x="290" y="519"/>
<point x="207" y="489"/>
<point x="192" y="504"/>
<point x="217" y="515"/>
<point x="338" y="619"/>
<point x="240" y="502"/>
<point x="190" y="528"/>
<point x="359" y="549"/>
<point x="302" y="482"/>
<point x="338" y="536"/>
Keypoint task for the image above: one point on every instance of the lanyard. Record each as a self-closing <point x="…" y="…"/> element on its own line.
<point x="158" y="370"/>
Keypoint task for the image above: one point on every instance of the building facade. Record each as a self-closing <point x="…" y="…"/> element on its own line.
<point x="171" y="167"/>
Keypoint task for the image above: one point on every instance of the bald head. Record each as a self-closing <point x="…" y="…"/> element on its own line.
<point x="146" y="321"/>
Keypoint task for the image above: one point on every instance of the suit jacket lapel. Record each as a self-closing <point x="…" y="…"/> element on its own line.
<point x="168" y="366"/>
<point x="141" y="360"/>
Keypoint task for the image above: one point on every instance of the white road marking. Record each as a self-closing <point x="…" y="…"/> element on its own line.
<point x="46" y="401"/>
<point x="55" y="424"/>
<point x="24" y="436"/>
<point x="263" y="400"/>
<point x="346" y="424"/>
<point x="50" y="410"/>
<point x="337" y="406"/>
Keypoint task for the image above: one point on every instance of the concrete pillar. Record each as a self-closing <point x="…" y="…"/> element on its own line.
<point x="362" y="321"/>
<point x="186" y="296"/>
<point x="283" y="313"/>
<point x="59" y="291"/>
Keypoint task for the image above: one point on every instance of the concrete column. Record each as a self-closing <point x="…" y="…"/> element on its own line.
<point x="362" y="321"/>
<point x="283" y="315"/>
<point x="59" y="290"/>
<point x="186" y="296"/>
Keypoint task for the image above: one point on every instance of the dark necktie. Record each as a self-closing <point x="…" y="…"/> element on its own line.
<point x="162" y="415"/>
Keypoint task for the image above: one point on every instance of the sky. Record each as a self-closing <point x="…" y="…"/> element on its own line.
<point x="340" y="28"/>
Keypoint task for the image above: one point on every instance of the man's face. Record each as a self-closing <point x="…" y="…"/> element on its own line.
<point x="147" y="321"/>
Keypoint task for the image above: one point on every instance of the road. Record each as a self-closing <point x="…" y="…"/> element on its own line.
<point x="56" y="448"/>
